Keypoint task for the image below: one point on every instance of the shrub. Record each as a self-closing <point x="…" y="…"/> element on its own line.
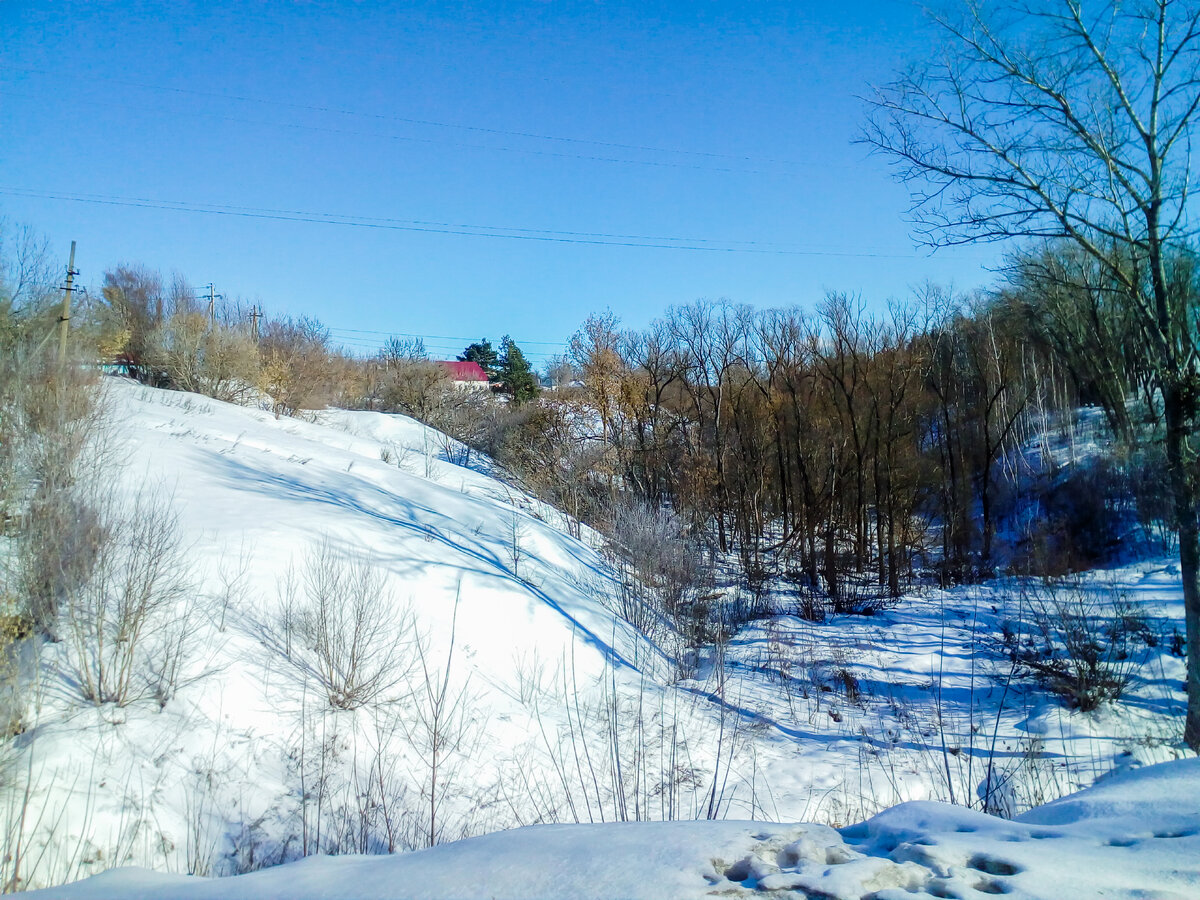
<point x="129" y="625"/>
<point x="50" y="428"/>
<point x="1082" y="520"/>
<point x="415" y="387"/>
<point x="1080" y="642"/>
<point x="339" y="625"/>
<point x="297" y="368"/>
<point x="195" y="354"/>
<point x="665" y="576"/>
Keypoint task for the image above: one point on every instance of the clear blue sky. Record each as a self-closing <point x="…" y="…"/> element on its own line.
<point x="718" y="122"/>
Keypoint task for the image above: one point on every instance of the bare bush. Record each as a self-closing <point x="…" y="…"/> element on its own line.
<point x="298" y="369"/>
<point x="414" y="385"/>
<point x="664" y="569"/>
<point x="50" y="432"/>
<point x="339" y="624"/>
<point x="442" y="733"/>
<point x="197" y="354"/>
<point x="55" y="520"/>
<point x="129" y="625"/>
<point x="49" y="420"/>
<point x="634" y="753"/>
<point x="1088" y="515"/>
<point x="1081" y="642"/>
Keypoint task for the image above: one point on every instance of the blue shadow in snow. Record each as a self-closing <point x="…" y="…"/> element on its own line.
<point x="245" y="477"/>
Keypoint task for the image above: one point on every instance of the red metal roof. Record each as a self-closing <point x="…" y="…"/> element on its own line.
<point x="464" y="371"/>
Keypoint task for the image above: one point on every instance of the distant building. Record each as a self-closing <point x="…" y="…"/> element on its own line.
<point x="465" y="375"/>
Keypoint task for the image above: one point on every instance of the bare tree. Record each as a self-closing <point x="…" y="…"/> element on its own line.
<point x="1073" y="120"/>
<point x="27" y="275"/>
<point x="594" y="353"/>
<point x="131" y="306"/>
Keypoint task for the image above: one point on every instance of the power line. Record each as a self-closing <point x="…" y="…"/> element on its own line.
<point x="345" y="132"/>
<point x="496" y="231"/>
<point x="436" y="353"/>
<point x="406" y="120"/>
<point x="204" y="207"/>
<point x="446" y="343"/>
<point x="440" y="347"/>
<point x="441" y="337"/>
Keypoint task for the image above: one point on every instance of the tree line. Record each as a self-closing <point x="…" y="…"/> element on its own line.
<point x="852" y="452"/>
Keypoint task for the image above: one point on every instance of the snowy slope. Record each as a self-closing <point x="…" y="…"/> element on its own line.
<point x="567" y="714"/>
<point x="256" y="497"/>
<point x="1133" y="836"/>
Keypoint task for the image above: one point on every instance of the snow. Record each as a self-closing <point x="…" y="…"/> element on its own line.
<point x="1136" y="835"/>
<point x="826" y="723"/>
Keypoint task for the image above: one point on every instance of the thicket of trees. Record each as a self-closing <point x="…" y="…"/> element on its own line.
<point x="165" y="335"/>
<point x="1073" y="121"/>
<point x="844" y="451"/>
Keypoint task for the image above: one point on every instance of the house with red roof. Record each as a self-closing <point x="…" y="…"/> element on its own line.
<point x="465" y="375"/>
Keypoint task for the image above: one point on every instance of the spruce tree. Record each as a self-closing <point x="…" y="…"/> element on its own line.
<point x="481" y="352"/>
<point x="515" y="373"/>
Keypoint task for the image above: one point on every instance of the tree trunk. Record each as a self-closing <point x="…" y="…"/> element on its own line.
<point x="1183" y="495"/>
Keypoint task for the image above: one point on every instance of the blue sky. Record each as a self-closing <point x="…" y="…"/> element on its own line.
<point x="695" y="124"/>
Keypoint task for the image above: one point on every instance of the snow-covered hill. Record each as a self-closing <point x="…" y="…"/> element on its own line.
<point x="554" y="710"/>
<point x="1136" y="835"/>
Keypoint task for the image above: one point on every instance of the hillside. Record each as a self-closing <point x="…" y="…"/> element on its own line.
<point x="524" y="698"/>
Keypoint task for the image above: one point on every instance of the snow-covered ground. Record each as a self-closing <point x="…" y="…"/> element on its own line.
<point x="559" y="711"/>
<point x="1135" y="835"/>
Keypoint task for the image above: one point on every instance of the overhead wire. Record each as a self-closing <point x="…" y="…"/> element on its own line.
<point x="431" y="123"/>
<point x="439" y="337"/>
<point x="345" y="132"/>
<point x="565" y="237"/>
<point x="423" y="222"/>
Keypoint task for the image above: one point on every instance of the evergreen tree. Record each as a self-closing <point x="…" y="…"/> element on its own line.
<point x="515" y="372"/>
<point x="482" y="352"/>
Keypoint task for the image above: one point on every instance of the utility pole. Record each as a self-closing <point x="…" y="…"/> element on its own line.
<point x="212" y="307"/>
<point x="255" y="315"/>
<point x="64" y="317"/>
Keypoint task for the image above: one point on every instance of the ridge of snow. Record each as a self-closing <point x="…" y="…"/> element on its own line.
<point x="1136" y="835"/>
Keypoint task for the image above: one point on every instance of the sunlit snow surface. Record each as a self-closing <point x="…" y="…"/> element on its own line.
<point x="1135" y="835"/>
<point x="537" y="643"/>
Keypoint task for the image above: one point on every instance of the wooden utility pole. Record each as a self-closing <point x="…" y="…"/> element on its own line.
<point x="64" y="317"/>
<point x="212" y="306"/>
<point x="255" y="315"/>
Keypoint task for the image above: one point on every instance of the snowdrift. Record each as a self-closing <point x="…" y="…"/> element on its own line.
<point x="1135" y="835"/>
